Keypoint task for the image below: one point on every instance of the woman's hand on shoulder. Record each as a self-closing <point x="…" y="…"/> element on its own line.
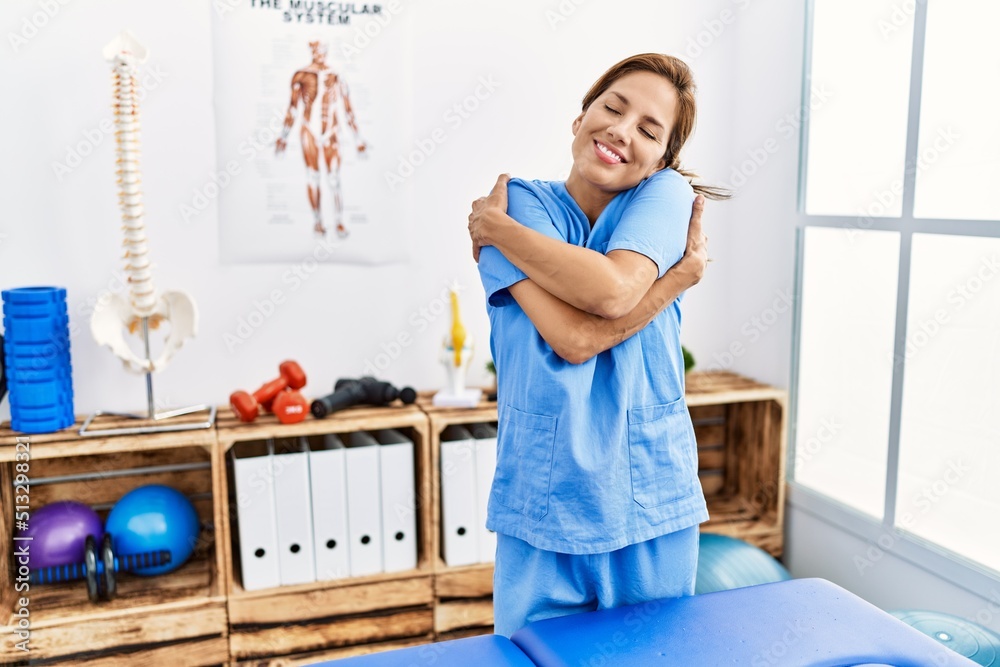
<point x="695" y="259"/>
<point x="484" y="220"/>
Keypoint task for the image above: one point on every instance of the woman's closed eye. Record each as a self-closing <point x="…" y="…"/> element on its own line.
<point x="646" y="133"/>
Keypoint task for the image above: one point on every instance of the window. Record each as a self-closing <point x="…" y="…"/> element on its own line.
<point x="865" y="75"/>
<point x="849" y="307"/>
<point x="958" y="156"/>
<point x="896" y="382"/>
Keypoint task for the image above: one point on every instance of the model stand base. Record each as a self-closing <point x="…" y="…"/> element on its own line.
<point x="154" y="427"/>
<point x="467" y="399"/>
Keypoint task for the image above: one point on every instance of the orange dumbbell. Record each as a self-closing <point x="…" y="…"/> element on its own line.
<point x="247" y="407"/>
<point x="290" y="406"/>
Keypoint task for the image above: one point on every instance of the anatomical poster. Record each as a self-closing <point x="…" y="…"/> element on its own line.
<point x="310" y="114"/>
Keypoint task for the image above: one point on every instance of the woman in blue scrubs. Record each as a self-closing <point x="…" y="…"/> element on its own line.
<point x="596" y="500"/>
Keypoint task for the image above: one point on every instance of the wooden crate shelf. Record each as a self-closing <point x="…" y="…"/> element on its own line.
<point x="179" y="617"/>
<point x="464" y="600"/>
<point x="307" y="619"/>
<point x="740" y="428"/>
<point x="463" y="594"/>
<point x="339" y="617"/>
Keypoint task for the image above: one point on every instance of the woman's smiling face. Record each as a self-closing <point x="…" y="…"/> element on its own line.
<point x="621" y="138"/>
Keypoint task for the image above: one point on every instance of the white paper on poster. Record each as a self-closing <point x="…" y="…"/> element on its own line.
<point x="312" y="117"/>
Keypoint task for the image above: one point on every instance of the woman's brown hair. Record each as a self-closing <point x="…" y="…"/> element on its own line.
<point x="679" y="75"/>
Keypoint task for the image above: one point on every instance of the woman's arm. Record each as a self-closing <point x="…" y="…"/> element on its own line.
<point x="609" y="286"/>
<point x="577" y="336"/>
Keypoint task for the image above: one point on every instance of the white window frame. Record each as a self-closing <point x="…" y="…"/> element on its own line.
<point x="883" y="534"/>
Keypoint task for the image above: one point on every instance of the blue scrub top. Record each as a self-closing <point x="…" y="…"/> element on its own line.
<point x="600" y="455"/>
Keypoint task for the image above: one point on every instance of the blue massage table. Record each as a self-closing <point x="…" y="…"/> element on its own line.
<point x="482" y="651"/>
<point x="802" y="622"/>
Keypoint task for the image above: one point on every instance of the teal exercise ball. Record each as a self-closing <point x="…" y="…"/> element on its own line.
<point x="726" y="562"/>
<point x="964" y="637"/>
<point x="154" y="518"/>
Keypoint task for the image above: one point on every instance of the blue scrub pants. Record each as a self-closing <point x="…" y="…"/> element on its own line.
<point x="531" y="584"/>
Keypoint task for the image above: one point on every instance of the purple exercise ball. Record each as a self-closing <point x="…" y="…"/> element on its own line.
<point x="58" y="533"/>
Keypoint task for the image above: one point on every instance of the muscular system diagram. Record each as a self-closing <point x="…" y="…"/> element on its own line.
<point x="318" y="81"/>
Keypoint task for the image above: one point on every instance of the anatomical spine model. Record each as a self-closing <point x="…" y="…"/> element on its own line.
<point x="456" y="352"/>
<point x="145" y="309"/>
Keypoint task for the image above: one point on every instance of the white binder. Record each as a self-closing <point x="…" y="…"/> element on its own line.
<point x="255" y="518"/>
<point x="399" y="502"/>
<point x="460" y="537"/>
<point x="364" y="513"/>
<point x="328" y="480"/>
<point x="293" y="505"/>
<point x="486" y="465"/>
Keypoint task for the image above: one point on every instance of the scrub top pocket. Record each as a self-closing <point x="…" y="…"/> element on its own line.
<point x="660" y="449"/>
<point x="523" y="473"/>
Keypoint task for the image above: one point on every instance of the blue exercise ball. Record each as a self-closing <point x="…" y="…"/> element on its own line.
<point x="964" y="637"/>
<point x="154" y="518"/>
<point x="726" y="562"/>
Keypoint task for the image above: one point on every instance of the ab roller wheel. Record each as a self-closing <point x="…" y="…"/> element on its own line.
<point x="90" y="571"/>
<point x="100" y="568"/>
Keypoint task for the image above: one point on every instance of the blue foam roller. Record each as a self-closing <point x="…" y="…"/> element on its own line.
<point x="725" y="562"/>
<point x="61" y="372"/>
<point x="12" y="317"/>
<point x="54" y="349"/>
<point x="63" y="398"/>
<point x="39" y="394"/>
<point x="25" y="369"/>
<point x="41" y="425"/>
<point x="482" y="651"/>
<point x="49" y="412"/>
<point x="798" y="622"/>
<point x="34" y="295"/>
<point x="41" y="306"/>
<point x="51" y="374"/>
<point x="41" y="329"/>
<point x="35" y="309"/>
<point x="15" y="358"/>
<point x="16" y="313"/>
<point x="975" y="642"/>
<point x="23" y="365"/>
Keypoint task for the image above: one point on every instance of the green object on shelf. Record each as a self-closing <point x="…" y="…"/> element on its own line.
<point x="688" y="359"/>
<point x="490" y="367"/>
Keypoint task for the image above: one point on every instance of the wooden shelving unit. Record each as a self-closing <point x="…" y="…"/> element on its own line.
<point x="463" y="594"/>
<point x="309" y="622"/>
<point x="176" y="618"/>
<point x="741" y="432"/>
<point x="201" y="615"/>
